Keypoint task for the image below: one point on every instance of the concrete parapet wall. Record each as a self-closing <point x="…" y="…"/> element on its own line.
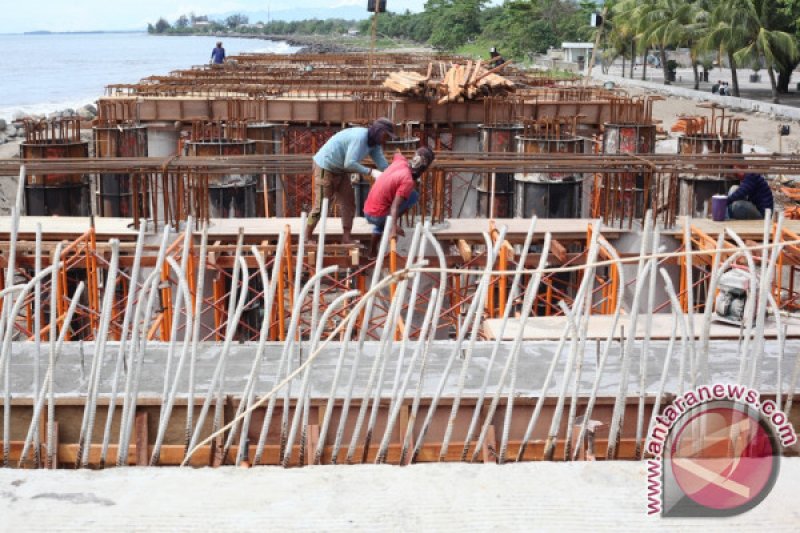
<point x="745" y="104"/>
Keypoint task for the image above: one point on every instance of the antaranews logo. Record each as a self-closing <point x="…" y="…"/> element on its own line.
<point x="715" y="452"/>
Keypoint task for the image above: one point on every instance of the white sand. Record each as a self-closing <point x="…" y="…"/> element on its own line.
<point x="759" y="129"/>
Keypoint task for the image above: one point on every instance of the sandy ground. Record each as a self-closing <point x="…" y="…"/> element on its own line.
<point x="758" y="130"/>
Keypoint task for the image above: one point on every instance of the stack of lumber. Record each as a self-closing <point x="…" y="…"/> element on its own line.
<point x="466" y="82"/>
<point x="458" y="83"/>
<point x="403" y="82"/>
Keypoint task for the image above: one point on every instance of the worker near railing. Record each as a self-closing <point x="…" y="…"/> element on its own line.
<point x="334" y="163"/>
<point x="395" y="193"/>
<point x="218" y="54"/>
<point x="751" y="199"/>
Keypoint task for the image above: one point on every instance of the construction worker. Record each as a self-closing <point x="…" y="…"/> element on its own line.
<point x="751" y="199"/>
<point x="217" y="54"/>
<point x="339" y="158"/>
<point x="495" y="59"/>
<point x="395" y="193"/>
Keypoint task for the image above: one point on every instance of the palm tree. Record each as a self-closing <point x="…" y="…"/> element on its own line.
<point x="628" y="15"/>
<point x="727" y="35"/>
<point x="741" y="28"/>
<point x="676" y="23"/>
<point x="762" y="44"/>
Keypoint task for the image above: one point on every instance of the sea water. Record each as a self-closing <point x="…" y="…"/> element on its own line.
<point x="42" y="73"/>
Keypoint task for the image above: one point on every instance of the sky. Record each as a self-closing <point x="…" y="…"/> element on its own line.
<point x="88" y="15"/>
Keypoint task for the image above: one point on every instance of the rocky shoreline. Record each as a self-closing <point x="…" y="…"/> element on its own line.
<point x="13" y="131"/>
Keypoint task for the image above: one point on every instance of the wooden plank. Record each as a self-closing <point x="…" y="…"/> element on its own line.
<point x="489" y="449"/>
<point x="173" y="454"/>
<point x="142" y="455"/>
<point x="559" y="251"/>
<point x="312" y="443"/>
<point x="465" y="250"/>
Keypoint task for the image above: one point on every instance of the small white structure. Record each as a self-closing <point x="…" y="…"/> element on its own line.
<point x="572" y="51"/>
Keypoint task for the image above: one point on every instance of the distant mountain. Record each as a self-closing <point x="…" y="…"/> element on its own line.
<point x="341" y="12"/>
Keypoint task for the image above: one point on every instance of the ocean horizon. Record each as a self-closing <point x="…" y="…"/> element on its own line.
<point x="47" y="72"/>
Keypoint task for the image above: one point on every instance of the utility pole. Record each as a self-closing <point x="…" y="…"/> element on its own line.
<point x="373" y="37"/>
<point x="597" y="36"/>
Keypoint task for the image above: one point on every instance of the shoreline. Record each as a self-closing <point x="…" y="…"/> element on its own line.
<point x="310" y="44"/>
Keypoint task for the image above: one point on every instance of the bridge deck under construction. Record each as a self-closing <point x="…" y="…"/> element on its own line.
<point x="555" y="289"/>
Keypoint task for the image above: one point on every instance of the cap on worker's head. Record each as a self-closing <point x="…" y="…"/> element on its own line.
<point x="493" y="50"/>
<point x="381" y="126"/>
<point x="386" y="125"/>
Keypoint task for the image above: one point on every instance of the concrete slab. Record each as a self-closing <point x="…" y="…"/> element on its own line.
<point x="596" y="496"/>
<point x="73" y="368"/>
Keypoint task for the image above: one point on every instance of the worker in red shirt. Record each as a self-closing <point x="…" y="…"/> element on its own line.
<point x="394" y="193"/>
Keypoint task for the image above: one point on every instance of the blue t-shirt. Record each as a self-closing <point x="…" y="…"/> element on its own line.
<point x="344" y="151"/>
<point x="218" y="55"/>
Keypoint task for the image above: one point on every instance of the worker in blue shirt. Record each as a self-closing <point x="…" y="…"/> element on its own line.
<point x="339" y="158"/>
<point x="751" y="199"/>
<point x="218" y="54"/>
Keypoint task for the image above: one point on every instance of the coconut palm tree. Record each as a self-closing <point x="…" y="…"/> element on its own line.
<point x="741" y="28"/>
<point x="727" y="35"/>
<point x="761" y="44"/>
<point x="676" y="23"/>
<point x="628" y="15"/>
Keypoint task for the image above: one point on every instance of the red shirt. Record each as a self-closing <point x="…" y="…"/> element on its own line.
<point x="395" y="181"/>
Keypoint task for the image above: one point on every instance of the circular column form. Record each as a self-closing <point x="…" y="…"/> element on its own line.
<point x="56" y="194"/>
<point x="696" y="190"/>
<point x="268" y="138"/>
<point x="548" y="195"/>
<point x="231" y="195"/>
<point x="115" y="191"/>
<point x="497" y="138"/>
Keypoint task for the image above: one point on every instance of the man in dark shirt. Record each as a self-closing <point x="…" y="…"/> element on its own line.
<point x="218" y="54"/>
<point x="751" y="199"/>
<point x="495" y="59"/>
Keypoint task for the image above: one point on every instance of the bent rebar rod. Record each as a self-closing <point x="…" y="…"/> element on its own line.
<point x="87" y="424"/>
<point x="512" y="296"/>
<point x="285" y="355"/>
<point x="168" y="401"/>
<point x="123" y="339"/>
<point x="300" y="403"/>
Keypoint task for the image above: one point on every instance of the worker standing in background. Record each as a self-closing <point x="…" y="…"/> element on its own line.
<point x="495" y="59"/>
<point x="751" y="199"/>
<point x="336" y="160"/>
<point x="395" y="193"/>
<point x="218" y="54"/>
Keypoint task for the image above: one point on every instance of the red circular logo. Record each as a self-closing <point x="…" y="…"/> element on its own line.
<point x="724" y="458"/>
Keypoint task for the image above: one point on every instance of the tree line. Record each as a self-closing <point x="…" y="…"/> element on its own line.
<point x="518" y="28"/>
<point x="739" y="33"/>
